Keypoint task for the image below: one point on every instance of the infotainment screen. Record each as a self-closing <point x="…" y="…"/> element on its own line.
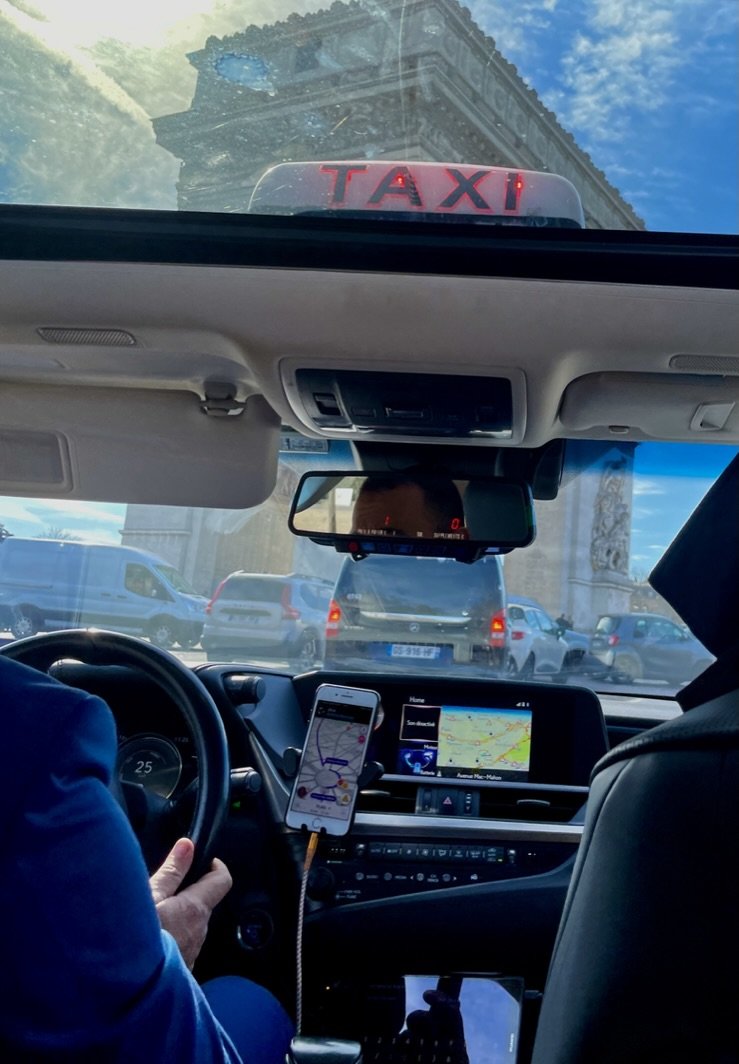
<point x="483" y="733"/>
<point x="477" y="743"/>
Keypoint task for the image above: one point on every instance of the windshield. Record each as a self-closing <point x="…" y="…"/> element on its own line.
<point x="615" y="114"/>
<point x="574" y="606"/>
<point x="175" y="579"/>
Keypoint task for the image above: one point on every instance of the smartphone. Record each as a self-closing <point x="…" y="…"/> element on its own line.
<point x="326" y="786"/>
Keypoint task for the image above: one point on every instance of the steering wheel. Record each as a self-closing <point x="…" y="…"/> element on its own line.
<point x="153" y="818"/>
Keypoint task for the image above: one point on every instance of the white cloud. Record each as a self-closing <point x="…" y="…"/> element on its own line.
<point x="512" y="25"/>
<point x="79" y="512"/>
<point x="92" y="522"/>
<point x="648" y="487"/>
<point x="627" y="57"/>
<point x="17" y="510"/>
<point x="624" y="61"/>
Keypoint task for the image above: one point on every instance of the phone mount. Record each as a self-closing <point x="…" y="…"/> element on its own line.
<point x="370" y="774"/>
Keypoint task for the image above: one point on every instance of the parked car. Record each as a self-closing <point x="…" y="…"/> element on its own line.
<point x="274" y="616"/>
<point x="47" y="584"/>
<point x="424" y="611"/>
<point x="637" y="646"/>
<point x="536" y="643"/>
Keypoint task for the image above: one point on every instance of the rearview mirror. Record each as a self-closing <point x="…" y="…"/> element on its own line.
<point x="413" y="513"/>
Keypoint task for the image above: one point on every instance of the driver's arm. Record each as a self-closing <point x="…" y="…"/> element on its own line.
<point x="85" y="967"/>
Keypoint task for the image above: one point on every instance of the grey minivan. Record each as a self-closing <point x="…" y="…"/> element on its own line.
<point x="47" y="584"/>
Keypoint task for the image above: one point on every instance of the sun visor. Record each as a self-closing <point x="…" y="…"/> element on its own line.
<point x="709" y="541"/>
<point x="166" y="448"/>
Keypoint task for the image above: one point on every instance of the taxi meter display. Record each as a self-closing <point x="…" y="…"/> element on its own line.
<point x="503" y="195"/>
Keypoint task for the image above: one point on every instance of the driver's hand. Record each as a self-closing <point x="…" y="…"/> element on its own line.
<point x="186" y="915"/>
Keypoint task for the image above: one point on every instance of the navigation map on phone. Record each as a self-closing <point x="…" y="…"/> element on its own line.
<point x="332" y="760"/>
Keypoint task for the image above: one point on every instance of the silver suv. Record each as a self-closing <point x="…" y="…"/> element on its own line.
<point x="254" y="614"/>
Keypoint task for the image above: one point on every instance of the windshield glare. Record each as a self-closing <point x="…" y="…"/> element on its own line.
<point x="575" y="606"/>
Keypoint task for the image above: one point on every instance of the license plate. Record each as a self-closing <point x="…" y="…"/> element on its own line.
<point x="413" y="650"/>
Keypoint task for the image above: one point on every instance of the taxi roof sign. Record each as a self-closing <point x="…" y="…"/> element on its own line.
<point x="500" y="194"/>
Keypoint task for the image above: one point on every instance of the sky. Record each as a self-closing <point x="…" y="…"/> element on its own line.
<point x="648" y="87"/>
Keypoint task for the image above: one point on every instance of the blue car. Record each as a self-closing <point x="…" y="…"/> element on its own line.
<point x="636" y="646"/>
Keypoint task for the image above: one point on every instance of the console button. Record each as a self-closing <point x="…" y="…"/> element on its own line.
<point x="393" y="850"/>
<point x="442" y="853"/>
<point x="410" y="851"/>
<point x="459" y="853"/>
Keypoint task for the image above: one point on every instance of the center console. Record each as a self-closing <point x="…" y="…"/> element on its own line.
<point x="460" y="854"/>
<point x="483" y="782"/>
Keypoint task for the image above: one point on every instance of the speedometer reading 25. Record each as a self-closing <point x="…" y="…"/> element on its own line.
<point x="151" y="761"/>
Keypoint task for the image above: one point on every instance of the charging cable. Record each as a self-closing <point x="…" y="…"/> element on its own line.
<point x="310" y="853"/>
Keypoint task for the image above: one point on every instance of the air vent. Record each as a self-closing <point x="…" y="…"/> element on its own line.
<point x="551" y="806"/>
<point x="705" y="363"/>
<point x="396" y="797"/>
<point x="86" y="337"/>
<point x="388" y="796"/>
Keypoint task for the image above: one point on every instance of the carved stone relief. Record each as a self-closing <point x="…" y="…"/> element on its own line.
<point x="609" y="544"/>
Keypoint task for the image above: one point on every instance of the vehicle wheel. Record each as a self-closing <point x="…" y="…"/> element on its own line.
<point x="306" y="651"/>
<point x="25" y="623"/>
<point x="627" y="667"/>
<point x="510" y="669"/>
<point x="163" y="632"/>
<point x="528" y="668"/>
<point x="573" y="659"/>
<point x="189" y="636"/>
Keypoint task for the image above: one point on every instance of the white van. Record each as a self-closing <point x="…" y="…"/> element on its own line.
<point x="47" y="584"/>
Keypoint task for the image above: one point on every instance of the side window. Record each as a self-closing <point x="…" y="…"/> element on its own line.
<point x="532" y="617"/>
<point x="515" y="613"/>
<point x="139" y="580"/>
<point x="666" y="630"/>
<point x="641" y="628"/>
<point x="547" y="624"/>
<point x="309" y="596"/>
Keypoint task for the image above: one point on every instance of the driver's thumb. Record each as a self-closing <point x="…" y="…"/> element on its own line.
<point x="167" y="880"/>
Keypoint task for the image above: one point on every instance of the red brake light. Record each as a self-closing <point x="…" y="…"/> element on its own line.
<point x="334" y="619"/>
<point x="518" y="634"/>
<point x="216" y="593"/>
<point x="613" y="640"/>
<point x="497" y="630"/>
<point x="289" y="613"/>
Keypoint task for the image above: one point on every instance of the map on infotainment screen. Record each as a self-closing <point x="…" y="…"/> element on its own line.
<point x="481" y="743"/>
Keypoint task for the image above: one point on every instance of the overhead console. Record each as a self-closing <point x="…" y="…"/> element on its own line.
<point x="396" y="406"/>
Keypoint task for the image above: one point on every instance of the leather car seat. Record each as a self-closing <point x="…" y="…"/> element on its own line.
<point x="646" y="963"/>
<point x="645" y="966"/>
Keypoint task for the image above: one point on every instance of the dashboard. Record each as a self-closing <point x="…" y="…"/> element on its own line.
<point x="460" y="854"/>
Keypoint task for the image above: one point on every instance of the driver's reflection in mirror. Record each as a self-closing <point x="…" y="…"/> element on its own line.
<point x="409" y="509"/>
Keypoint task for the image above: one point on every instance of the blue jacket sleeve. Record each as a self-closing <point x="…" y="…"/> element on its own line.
<point x="84" y="968"/>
